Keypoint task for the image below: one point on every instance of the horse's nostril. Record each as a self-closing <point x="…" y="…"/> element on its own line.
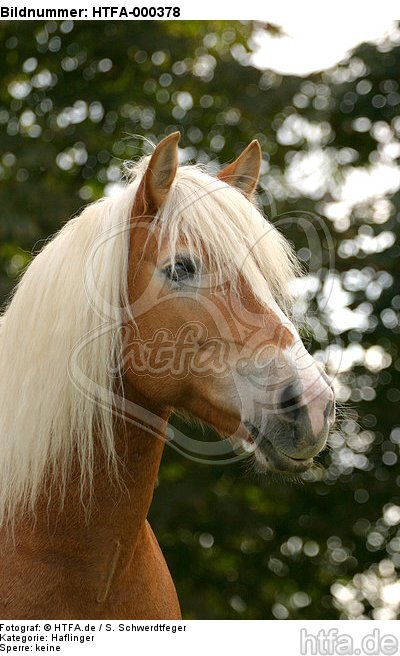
<point x="289" y="403"/>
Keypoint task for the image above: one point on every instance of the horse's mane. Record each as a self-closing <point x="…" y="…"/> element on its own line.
<point x="75" y="292"/>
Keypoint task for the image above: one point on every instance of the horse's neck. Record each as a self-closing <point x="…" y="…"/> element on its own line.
<point x="117" y="514"/>
<point x="67" y="564"/>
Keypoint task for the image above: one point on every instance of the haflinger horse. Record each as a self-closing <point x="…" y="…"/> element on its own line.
<point x="83" y="424"/>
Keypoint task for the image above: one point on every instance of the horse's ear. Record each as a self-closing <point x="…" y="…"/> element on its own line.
<point x="159" y="176"/>
<point x="244" y="172"/>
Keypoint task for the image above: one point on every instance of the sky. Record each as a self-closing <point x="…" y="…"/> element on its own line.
<point x="312" y="45"/>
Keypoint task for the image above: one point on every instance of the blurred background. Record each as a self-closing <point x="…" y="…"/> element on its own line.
<point x="324" y="102"/>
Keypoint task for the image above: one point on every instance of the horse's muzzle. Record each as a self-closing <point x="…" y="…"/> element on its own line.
<point x="295" y="432"/>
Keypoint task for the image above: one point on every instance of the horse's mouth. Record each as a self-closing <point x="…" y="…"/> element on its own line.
<point x="271" y="458"/>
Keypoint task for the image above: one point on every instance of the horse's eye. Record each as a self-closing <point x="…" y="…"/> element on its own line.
<point x="183" y="269"/>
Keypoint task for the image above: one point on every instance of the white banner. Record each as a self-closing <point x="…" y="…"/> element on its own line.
<point x="199" y="638"/>
<point x="189" y="10"/>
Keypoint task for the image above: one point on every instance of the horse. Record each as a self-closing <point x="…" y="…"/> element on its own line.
<point x="86" y="389"/>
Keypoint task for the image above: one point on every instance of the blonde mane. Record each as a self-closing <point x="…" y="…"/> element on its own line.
<point x="77" y="287"/>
